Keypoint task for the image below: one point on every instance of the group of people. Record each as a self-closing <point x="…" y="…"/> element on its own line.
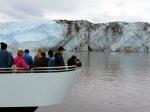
<point x="24" y="61"/>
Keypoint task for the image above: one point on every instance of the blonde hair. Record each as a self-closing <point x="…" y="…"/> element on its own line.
<point x="20" y="53"/>
<point x="39" y="51"/>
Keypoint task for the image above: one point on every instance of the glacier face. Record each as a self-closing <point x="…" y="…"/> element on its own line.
<point x="77" y="35"/>
<point x="31" y="34"/>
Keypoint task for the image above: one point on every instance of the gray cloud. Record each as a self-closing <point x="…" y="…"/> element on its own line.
<point x="25" y="8"/>
<point x="22" y="9"/>
<point x="93" y="10"/>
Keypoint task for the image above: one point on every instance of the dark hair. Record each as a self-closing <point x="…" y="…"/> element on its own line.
<point x="50" y="53"/>
<point x="26" y="50"/>
<point x="73" y="57"/>
<point x="61" y="48"/>
<point x="3" y="45"/>
<point x="43" y="54"/>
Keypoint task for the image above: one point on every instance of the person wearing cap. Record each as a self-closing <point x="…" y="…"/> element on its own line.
<point x="59" y="60"/>
<point x="6" y="59"/>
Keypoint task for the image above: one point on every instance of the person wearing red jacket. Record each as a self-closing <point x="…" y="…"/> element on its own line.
<point x="20" y="63"/>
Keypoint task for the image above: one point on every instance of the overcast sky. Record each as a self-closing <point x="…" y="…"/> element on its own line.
<point x="91" y="10"/>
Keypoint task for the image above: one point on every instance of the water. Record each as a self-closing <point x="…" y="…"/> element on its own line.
<point x="109" y="82"/>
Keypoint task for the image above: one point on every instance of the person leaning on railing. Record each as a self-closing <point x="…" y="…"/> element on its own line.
<point x="20" y="63"/>
<point x="28" y="59"/>
<point x="59" y="60"/>
<point x="41" y="62"/>
<point x="37" y="56"/>
<point x="51" y="58"/>
<point x="74" y="61"/>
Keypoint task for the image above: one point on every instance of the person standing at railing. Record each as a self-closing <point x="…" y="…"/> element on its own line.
<point x="20" y="62"/>
<point x="6" y="59"/>
<point x="41" y="61"/>
<point x="28" y="59"/>
<point x="74" y="61"/>
<point x="59" y="60"/>
<point x="37" y="56"/>
<point x="51" y="59"/>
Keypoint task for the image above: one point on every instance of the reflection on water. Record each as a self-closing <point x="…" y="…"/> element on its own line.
<point x="110" y="82"/>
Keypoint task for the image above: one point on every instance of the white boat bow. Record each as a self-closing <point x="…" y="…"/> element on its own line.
<point x="37" y="87"/>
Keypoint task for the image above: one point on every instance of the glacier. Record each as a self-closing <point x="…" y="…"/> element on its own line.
<point x="77" y="35"/>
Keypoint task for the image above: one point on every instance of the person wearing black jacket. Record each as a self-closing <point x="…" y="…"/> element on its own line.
<point x="42" y="61"/>
<point x="74" y="61"/>
<point x="59" y="60"/>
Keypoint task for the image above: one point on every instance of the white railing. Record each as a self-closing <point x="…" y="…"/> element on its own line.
<point x="39" y="69"/>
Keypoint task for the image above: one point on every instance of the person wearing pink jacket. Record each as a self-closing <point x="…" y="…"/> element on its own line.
<point x="20" y="62"/>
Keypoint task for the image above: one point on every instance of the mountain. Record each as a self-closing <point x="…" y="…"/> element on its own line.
<point x="77" y="35"/>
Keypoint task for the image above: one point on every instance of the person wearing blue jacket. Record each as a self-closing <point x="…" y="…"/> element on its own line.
<point x="28" y="59"/>
<point x="51" y="58"/>
<point x="6" y="59"/>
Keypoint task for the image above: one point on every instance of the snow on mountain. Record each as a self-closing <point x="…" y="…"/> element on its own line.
<point x="77" y="35"/>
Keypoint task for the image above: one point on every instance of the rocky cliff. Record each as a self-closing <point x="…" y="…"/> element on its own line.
<point x="113" y="36"/>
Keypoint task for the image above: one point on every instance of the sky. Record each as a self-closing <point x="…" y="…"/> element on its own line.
<point x="97" y="11"/>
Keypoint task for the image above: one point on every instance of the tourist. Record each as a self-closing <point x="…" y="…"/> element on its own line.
<point x="41" y="61"/>
<point x="28" y="59"/>
<point x="20" y="62"/>
<point x="59" y="60"/>
<point x="51" y="59"/>
<point x="38" y="54"/>
<point x="74" y="61"/>
<point x="6" y="59"/>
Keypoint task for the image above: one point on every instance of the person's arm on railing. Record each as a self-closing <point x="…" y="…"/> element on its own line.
<point x="24" y="65"/>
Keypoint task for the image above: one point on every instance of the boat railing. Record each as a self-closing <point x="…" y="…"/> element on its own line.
<point x="6" y="70"/>
<point x="39" y="69"/>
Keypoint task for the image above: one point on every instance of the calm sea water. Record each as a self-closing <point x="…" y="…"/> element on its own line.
<point x="109" y="82"/>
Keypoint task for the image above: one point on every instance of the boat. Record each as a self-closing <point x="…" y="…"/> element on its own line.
<point x="42" y="86"/>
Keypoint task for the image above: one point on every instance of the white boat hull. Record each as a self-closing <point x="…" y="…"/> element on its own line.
<point x="35" y="89"/>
